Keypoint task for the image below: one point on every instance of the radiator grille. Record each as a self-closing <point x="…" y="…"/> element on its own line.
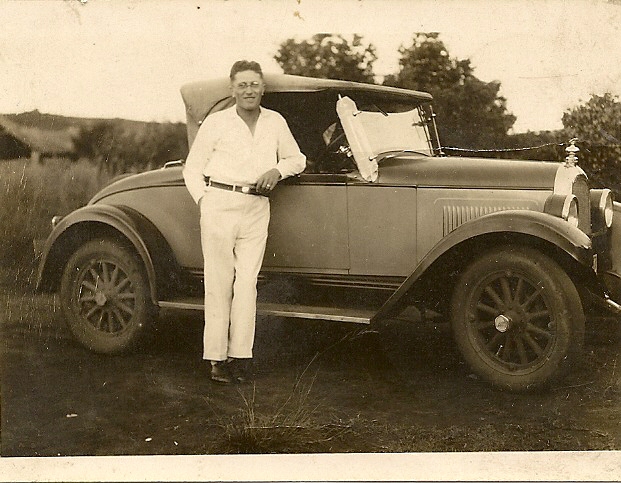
<point x="580" y="190"/>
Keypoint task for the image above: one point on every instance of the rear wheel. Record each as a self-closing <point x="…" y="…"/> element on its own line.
<point x="517" y="318"/>
<point x="105" y="297"/>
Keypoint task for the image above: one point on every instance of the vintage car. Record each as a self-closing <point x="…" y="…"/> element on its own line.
<point x="511" y="252"/>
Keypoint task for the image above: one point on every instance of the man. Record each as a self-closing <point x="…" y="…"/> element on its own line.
<point x="238" y="157"/>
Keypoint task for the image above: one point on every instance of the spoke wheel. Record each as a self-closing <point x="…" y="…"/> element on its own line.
<point x="105" y="297"/>
<point x="517" y="319"/>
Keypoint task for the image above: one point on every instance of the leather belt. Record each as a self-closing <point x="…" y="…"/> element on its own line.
<point x="248" y="190"/>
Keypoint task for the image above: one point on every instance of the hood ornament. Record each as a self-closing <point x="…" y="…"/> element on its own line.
<point x="571" y="159"/>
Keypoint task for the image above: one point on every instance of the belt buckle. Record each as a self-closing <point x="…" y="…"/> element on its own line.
<point x="245" y="189"/>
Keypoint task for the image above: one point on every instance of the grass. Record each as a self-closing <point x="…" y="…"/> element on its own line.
<point x="24" y="311"/>
<point x="282" y="430"/>
<point x="292" y="426"/>
<point x="30" y="194"/>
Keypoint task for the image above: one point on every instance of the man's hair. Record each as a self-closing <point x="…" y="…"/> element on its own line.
<point x="242" y="65"/>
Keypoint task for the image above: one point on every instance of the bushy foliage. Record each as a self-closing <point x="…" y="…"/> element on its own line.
<point x="597" y="126"/>
<point x="537" y="146"/>
<point x="328" y="56"/>
<point x="471" y="113"/>
<point x="124" y="146"/>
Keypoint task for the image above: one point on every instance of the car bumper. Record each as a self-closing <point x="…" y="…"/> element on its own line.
<point x="612" y="282"/>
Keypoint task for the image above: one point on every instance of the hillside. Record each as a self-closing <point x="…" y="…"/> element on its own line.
<point x="43" y="135"/>
<point x="55" y="122"/>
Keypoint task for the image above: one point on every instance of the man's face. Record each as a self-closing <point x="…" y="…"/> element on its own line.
<point x="247" y="88"/>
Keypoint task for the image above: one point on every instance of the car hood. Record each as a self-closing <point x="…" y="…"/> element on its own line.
<point x="402" y="169"/>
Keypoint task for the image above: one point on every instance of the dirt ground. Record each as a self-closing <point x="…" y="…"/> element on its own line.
<point x="320" y="387"/>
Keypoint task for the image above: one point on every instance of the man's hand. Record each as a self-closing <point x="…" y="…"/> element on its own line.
<point x="268" y="181"/>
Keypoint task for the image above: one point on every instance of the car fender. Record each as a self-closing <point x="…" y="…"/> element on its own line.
<point x="126" y="221"/>
<point x="550" y="228"/>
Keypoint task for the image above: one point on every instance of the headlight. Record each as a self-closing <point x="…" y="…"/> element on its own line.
<point x="563" y="206"/>
<point x="601" y="209"/>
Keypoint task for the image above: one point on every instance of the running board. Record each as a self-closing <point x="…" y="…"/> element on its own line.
<point x="337" y="314"/>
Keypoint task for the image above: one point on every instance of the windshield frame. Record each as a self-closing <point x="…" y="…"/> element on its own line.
<point x="374" y="132"/>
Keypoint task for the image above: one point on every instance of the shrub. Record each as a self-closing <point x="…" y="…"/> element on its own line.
<point x="597" y="125"/>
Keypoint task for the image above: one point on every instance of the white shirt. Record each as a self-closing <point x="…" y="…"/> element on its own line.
<point x="225" y="150"/>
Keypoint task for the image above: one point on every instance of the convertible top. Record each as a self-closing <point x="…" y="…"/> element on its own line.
<point x="205" y="97"/>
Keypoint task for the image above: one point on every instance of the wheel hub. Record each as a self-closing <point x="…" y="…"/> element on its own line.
<point x="100" y="298"/>
<point x="514" y="318"/>
<point x="502" y="323"/>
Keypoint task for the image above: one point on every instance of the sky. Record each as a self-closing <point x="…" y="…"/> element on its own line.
<point x="128" y="59"/>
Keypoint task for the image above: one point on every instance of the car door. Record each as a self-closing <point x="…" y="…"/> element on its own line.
<point x="382" y="218"/>
<point x="382" y="229"/>
<point x="308" y="226"/>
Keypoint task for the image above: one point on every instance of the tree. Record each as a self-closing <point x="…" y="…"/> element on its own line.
<point x="471" y="113"/>
<point x="536" y="145"/>
<point x="597" y="125"/>
<point x="328" y="56"/>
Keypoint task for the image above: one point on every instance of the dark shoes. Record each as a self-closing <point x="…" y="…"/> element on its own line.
<point x="241" y="370"/>
<point x="220" y="373"/>
<point x="233" y="370"/>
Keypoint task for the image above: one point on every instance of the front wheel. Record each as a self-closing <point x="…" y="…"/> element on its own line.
<point x="517" y="319"/>
<point x="105" y="297"/>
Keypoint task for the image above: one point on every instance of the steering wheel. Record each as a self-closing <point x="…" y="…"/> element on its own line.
<point x="338" y="154"/>
<point x="336" y="142"/>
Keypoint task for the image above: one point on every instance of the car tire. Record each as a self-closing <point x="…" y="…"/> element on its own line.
<point x="543" y="315"/>
<point x="105" y="297"/>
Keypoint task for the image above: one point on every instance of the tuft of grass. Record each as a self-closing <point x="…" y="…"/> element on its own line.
<point x="281" y="431"/>
<point x="291" y="427"/>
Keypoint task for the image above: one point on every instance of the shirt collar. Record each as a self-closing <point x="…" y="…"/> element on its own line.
<point x="233" y="111"/>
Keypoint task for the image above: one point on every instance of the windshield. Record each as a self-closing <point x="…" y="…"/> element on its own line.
<point x="371" y="134"/>
<point x="395" y="131"/>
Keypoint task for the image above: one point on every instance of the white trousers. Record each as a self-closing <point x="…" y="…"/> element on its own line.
<point x="233" y="234"/>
